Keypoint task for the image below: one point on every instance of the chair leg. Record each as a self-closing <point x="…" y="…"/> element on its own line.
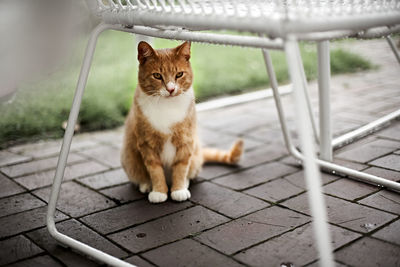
<point x="393" y="47"/>
<point x="329" y="166"/>
<point x="324" y="101"/>
<point x="312" y="174"/>
<point x="62" y="161"/>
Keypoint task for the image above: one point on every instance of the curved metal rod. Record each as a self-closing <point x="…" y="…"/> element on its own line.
<point x="393" y="47"/>
<point x="211" y="38"/>
<point x="324" y="164"/>
<point x="62" y="161"/>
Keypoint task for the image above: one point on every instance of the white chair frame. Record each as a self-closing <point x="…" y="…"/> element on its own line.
<point x="287" y="33"/>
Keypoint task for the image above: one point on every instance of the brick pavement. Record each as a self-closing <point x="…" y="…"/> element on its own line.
<point x="254" y="214"/>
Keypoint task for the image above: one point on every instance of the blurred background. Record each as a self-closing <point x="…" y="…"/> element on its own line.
<point x="42" y="48"/>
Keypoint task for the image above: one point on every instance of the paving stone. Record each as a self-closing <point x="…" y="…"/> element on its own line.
<point x="384" y="173"/>
<point x="105" y="179"/>
<point x="247" y="231"/>
<point x="64" y="255"/>
<point x="80" y="232"/>
<point x="187" y="252"/>
<point x="7" y="158"/>
<point x="349" y="189"/>
<point x="296" y="247"/>
<point x="292" y="161"/>
<point x="349" y="164"/>
<point x="255" y="176"/>
<point x="390" y="233"/>
<point x="379" y="253"/>
<point x="168" y="229"/>
<point x="15" y="204"/>
<point x="71" y="172"/>
<point x="137" y="261"/>
<point x="384" y="200"/>
<point x="37" y="166"/>
<point x="39" y="149"/>
<point x="110" y="136"/>
<point x="297" y="179"/>
<point x="17" y="248"/>
<point x="344" y="213"/>
<point x="355" y="116"/>
<point x="9" y="187"/>
<point x="42" y="261"/>
<point x="393" y="132"/>
<point x="340" y="127"/>
<point x="42" y="179"/>
<point x="242" y="124"/>
<point x="370" y="150"/>
<point x="212" y="170"/>
<point x="131" y="214"/>
<point x="212" y="138"/>
<point x="25" y="221"/>
<point x="123" y="193"/>
<point x="76" y="200"/>
<point x="268" y="135"/>
<point x="79" y="142"/>
<point x="265" y="153"/>
<point x="107" y="155"/>
<point x="230" y="203"/>
<point x="275" y="191"/>
<point x="391" y="162"/>
<point x="236" y="124"/>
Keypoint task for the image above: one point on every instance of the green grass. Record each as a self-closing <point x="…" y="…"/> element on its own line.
<point x="40" y="107"/>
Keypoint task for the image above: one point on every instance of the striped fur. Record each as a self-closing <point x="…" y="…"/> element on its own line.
<point x="161" y="150"/>
<point x="229" y="157"/>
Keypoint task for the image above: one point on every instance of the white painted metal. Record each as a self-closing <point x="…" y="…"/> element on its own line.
<point x="365" y="177"/>
<point x="203" y="37"/>
<point x="308" y="102"/>
<point x="393" y="47"/>
<point x="62" y="161"/>
<point x="316" y="199"/>
<point x="273" y="17"/>
<point x="364" y="130"/>
<point x="243" y="98"/>
<point x="325" y="124"/>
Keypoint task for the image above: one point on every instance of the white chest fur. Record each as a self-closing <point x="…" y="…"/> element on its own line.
<point x="168" y="153"/>
<point x="162" y="112"/>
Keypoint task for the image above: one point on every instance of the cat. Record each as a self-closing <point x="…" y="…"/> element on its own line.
<point x="160" y="139"/>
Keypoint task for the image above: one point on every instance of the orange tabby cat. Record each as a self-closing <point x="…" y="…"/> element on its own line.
<point x="160" y="131"/>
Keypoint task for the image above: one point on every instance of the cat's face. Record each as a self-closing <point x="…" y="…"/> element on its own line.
<point x="164" y="72"/>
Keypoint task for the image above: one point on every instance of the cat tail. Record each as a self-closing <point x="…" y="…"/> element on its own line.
<point x="231" y="156"/>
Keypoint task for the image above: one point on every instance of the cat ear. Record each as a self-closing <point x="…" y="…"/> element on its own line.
<point x="184" y="50"/>
<point x="144" y="51"/>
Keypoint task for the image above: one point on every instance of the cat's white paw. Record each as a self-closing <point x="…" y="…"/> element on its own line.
<point x="144" y="188"/>
<point x="180" y="195"/>
<point x="157" y="197"/>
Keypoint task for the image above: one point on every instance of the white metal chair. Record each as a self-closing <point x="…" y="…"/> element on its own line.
<point x="271" y="24"/>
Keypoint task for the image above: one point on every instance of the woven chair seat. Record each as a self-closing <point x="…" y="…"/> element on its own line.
<point x="273" y="17"/>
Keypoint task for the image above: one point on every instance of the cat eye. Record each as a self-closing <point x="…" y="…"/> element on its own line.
<point x="179" y="74"/>
<point x="157" y="76"/>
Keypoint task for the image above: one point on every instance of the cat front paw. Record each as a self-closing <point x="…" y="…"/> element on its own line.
<point x="180" y="195"/>
<point x="144" y="188"/>
<point x="157" y="197"/>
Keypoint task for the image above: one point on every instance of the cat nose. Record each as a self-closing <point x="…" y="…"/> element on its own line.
<point x="171" y="87"/>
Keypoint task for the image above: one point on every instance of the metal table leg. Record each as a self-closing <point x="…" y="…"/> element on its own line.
<point x="325" y="124"/>
<point x="62" y="161"/>
<point x="312" y="175"/>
